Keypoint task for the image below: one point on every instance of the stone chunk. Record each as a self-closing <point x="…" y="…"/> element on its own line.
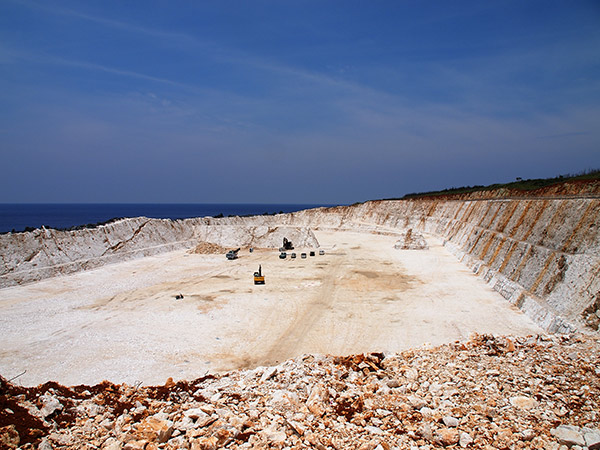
<point x="416" y="402"/>
<point x="592" y="438"/>
<point x="426" y="432"/>
<point x="274" y="436"/>
<point x="111" y="444"/>
<point x="528" y="434"/>
<point x="153" y="429"/>
<point x="411" y="373"/>
<point x="297" y="427"/>
<point x="136" y="445"/>
<point x="269" y="373"/>
<point x="374" y="430"/>
<point x="9" y="437"/>
<point x="450" y="421"/>
<point x="447" y="437"/>
<point x="568" y="435"/>
<point x="194" y="413"/>
<point x="46" y="445"/>
<point x="50" y="405"/>
<point x="464" y="439"/>
<point x="523" y="402"/>
<point x="204" y="443"/>
<point x="316" y="402"/>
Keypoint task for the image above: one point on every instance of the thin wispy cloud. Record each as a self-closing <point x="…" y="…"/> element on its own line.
<point x="218" y="52"/>
<point x="112" y="23"/>
<point x="565" y="135"/>
<point x="402" y="97"/>
<point x="114" y="71"/>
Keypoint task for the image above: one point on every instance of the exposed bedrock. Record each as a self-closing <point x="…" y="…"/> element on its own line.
<point x="44" y="253"/>
<point x="541" y="254"/>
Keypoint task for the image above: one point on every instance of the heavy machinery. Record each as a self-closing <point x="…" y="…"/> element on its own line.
<point x="232" y="254"/>
<point x="287" y="245"/>
<point x="259" y="278"/>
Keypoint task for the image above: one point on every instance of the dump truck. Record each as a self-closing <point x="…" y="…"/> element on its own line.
<point x="232" y="254"/>
<point x="259" y="278"/>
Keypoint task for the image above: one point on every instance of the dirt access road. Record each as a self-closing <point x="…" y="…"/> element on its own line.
<point x="122" y="322"/>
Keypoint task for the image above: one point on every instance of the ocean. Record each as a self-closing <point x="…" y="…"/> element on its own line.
<point x="19" y="217"/>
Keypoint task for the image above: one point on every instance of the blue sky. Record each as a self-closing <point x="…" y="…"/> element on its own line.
<point x="291" y="101"/>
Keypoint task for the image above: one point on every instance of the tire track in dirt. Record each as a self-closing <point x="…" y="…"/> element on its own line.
<point x="303" y="325"/>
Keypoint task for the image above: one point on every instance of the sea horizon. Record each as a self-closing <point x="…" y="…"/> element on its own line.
<point x="18" y="217"/>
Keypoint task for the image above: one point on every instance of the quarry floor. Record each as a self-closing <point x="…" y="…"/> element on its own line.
<point x="123" y="323"/>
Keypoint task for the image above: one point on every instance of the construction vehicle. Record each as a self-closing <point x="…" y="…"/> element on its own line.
<point x="287" y="245"/>
<point x="282" y="255"/>
<point x="232" y="254"/>
<point x="259" y="278"/>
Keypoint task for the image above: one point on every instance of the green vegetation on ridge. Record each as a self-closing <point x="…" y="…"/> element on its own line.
<point x="519" y="184"/>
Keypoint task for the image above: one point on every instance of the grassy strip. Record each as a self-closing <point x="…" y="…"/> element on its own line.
<point x="519" y="184"/>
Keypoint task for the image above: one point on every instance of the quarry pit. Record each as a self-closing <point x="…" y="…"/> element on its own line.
<point x="92" y="304"/>
<point x="122" y="322"/>
<point x="485" y="337"/>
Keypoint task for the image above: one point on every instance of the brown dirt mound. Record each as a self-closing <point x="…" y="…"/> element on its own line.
<point x="208" y="248"/>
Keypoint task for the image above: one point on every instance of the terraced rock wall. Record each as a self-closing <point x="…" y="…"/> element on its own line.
<point x="44" y="253"/>
<point x="542" y="255"/>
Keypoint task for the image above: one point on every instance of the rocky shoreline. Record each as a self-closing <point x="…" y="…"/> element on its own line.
<point x="537" y="392"/>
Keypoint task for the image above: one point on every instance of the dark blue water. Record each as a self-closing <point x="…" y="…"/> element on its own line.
<point x="18" y="217"/>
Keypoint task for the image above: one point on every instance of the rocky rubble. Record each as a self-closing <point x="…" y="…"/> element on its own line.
<point x="538" y="392"/>
<point x="411" y="240"/>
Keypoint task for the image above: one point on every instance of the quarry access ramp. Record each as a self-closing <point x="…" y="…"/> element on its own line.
<point x="540" y="251"/>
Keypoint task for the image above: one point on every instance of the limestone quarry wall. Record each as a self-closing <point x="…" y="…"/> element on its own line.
<point x="43" y="253"/>
<point x="541" y="254"/>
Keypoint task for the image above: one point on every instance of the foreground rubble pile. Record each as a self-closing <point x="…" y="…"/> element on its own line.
<point x="540" y="392"/>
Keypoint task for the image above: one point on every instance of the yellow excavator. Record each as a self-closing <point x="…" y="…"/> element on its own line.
<point x="259" y="278"/>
